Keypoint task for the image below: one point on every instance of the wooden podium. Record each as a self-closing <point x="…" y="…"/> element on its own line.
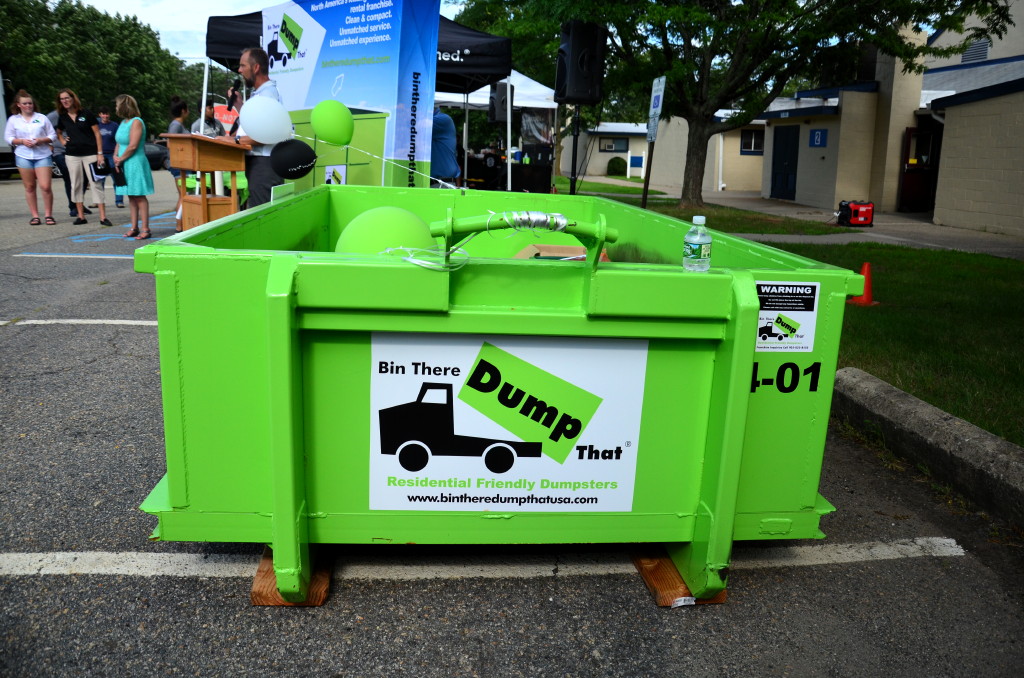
<point x="201" y="154"/>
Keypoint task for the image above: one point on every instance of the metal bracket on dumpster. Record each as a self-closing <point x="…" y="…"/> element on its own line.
<point x="290" y="531"/>
<point x="704" y="561"/>
<point x="592" y="235"/>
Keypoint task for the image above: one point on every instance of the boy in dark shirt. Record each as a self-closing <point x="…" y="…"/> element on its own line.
<point x="107" y="131"/>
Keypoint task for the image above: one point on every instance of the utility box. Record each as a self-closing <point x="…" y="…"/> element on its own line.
<point x="425" y="385"/>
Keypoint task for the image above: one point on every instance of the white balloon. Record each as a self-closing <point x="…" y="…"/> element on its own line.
<point x="265" y="120"/>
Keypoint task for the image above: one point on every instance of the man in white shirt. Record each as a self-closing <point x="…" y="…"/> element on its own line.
<point x="254" y="69"/>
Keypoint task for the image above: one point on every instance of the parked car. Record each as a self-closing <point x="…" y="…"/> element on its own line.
<point x="158" y="156"/>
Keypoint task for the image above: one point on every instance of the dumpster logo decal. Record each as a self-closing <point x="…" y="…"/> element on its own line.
<point x="529" y="402"/>
<point x="291" y="34"/>
<point x="284" y="37"/>
<point x="788" y="316"/>
<point x="414" y="431"/>
<point x="471" y="422"/>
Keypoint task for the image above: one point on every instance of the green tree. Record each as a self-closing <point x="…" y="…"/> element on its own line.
<point x="48" y="46"/>
<point x="725" y="54"/>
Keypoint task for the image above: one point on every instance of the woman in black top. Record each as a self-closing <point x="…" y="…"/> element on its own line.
<point x="80" y="132"/>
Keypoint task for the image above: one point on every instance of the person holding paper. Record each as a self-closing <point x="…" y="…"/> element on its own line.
<point x="80" y="132"/>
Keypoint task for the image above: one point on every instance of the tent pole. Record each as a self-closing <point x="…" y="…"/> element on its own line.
<point x="465" y="139"/>
<point x="202" y="102"/>
<point x="556" y="152"/>
<point x="508" y="134"/>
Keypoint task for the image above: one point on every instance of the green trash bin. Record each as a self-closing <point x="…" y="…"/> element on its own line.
<point x="484" y="392"/>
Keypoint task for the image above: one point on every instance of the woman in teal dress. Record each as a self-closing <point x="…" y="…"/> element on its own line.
<point x="130" y="158"/>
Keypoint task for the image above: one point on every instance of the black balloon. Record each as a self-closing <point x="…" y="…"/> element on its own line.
<point x="292" y="159"/>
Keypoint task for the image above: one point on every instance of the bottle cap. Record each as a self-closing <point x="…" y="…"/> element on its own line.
<point x="698" y="221"/>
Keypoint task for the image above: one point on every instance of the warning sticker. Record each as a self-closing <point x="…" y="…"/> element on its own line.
<point x="789" y="313"/>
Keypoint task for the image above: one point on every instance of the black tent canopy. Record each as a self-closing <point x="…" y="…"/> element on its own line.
<point x="474" y="58"/>
<point x="227" y="36"/>
<point x="481" y="58"/>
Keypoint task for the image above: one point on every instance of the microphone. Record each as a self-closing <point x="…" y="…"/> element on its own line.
<point x="234" y="93"/>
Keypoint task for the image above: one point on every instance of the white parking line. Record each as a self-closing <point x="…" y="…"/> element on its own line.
<point x="409" y="567"/>
<point x="833" y="554"/>
<point x="85" y="321"/>
<point x="131" y="564"/>
<point x="74" y="256"/>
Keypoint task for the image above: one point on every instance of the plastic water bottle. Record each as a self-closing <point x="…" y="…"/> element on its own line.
<point x="697" y="247"/>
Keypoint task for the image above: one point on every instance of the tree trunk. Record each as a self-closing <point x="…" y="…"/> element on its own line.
<point x="696" y="158"/>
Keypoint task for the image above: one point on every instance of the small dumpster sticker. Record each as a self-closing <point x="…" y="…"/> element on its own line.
<point x="474" y="423"/>
<point x="788" y="315"/>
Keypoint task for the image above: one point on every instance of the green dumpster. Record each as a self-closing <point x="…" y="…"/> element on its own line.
<point x="464" y="387"/>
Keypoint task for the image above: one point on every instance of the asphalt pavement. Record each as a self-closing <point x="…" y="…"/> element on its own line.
<point x="906" y="582"/>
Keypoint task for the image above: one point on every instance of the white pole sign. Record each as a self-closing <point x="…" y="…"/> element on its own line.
<point x="657" y="97"/>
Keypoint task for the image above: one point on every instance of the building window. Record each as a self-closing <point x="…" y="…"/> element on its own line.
<point x="752" y="142"/>
<point x="978" y="51"/>
<point x="613" y="144"/>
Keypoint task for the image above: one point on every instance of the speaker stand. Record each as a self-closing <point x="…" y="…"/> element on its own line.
<point x="575" y="143"/>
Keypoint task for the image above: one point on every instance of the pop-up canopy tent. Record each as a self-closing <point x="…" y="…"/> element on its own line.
<point x="528" y="93"/>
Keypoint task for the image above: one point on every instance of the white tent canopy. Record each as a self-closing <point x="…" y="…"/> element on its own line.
<point x="527" y="94"/>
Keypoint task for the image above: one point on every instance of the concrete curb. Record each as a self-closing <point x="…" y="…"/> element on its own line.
<point x="985" y="468"/>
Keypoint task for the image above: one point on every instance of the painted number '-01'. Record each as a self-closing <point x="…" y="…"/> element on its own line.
<point x="787" y="378"/>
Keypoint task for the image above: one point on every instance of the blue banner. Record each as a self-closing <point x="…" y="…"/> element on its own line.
<point x="377" y="55"/>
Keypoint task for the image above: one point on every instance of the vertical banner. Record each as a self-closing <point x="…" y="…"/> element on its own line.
<point x="374" y="55"/>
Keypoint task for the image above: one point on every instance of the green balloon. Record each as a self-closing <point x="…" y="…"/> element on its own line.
<point x="382" y="228"/>
<point x="332" y="122"/>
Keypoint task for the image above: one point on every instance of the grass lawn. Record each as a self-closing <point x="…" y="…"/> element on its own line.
<point x="725" y="219"/>
<point x="948" y="328"/>
<point x="732" y="220"/>
<point x="583" y="187"/>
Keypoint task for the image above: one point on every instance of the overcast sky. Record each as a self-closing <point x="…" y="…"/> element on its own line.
<point x="182" y="23"/>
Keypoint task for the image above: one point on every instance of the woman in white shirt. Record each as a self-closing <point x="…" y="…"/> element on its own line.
<point x="31" y="136"/>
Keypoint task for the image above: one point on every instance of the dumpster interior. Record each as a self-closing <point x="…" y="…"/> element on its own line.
<point x="315" y="221"/>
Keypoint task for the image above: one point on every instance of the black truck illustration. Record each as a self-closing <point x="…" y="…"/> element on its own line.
<point x="275" y="53"/>
<point x="418" y="430"/>
<point x="768" y="330"/>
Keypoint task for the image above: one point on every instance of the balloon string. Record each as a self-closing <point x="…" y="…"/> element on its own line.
<point x="385" y="160"/>
<point x="452" y="260"/>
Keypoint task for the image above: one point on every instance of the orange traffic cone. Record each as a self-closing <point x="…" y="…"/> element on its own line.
<point x="866" y="298"/>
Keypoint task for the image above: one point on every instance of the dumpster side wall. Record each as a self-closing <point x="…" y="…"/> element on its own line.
<point x="787" y="423"/>
<point x="211" y="323"/>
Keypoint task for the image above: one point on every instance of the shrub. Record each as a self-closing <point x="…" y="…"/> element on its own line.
<point x="617" y="167"/>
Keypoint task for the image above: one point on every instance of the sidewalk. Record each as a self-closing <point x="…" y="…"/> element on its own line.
<point x="912" y="230"/>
